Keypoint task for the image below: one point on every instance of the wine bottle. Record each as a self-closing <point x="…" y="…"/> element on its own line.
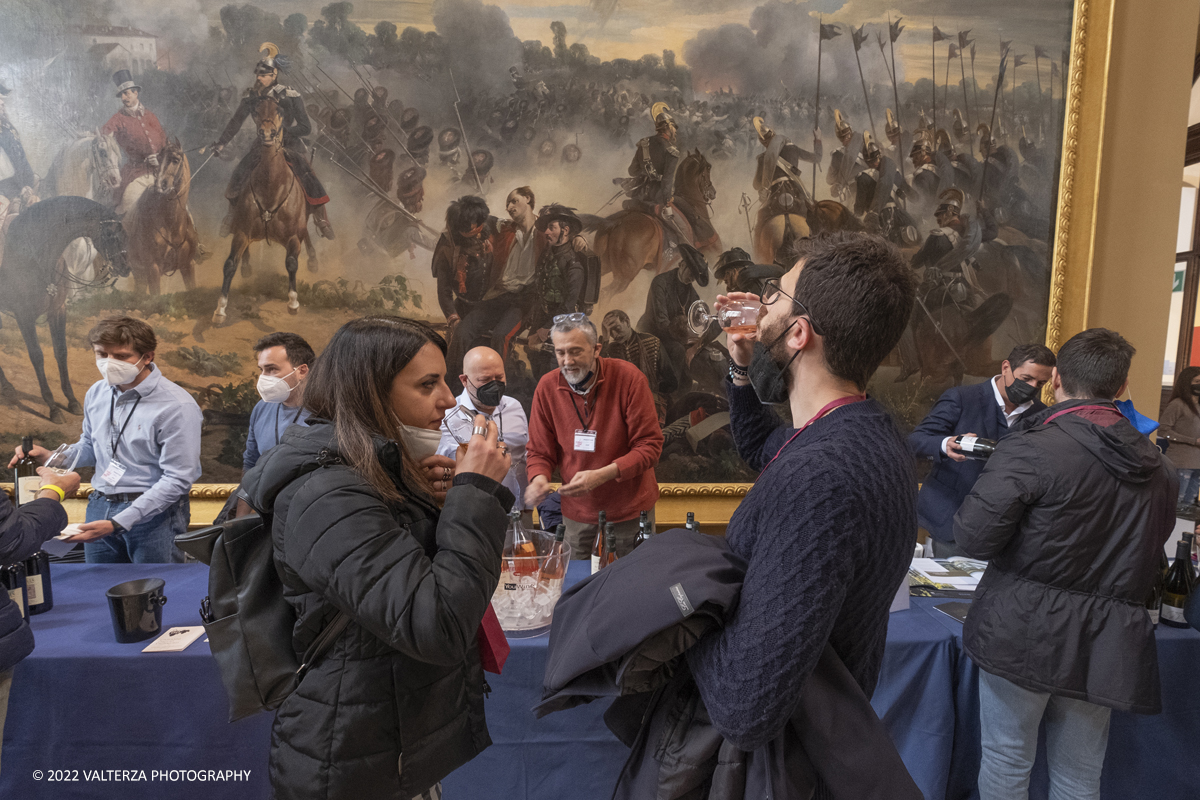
<point x="25" y="478"/>
<point x="519" y="549"/>
<point x="555" y="568"/>
<point x="610" y="546"/>
<point x="598" y="545"/>
<point x="1178" y="585"/>
<point x="37" y="583"/>
<point x="643" y="529"/>
<point x="691" y="522"/>
<point x="974" y="447"/>
<point x="13" y="579"/>
<point x="1154" y="598"/>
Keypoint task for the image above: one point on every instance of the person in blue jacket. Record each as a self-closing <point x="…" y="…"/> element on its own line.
<point x="22" y="532"/>
<point x="987" y="410"/>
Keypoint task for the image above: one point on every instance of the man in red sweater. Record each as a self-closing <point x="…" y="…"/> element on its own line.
<point x="595" y="420"/>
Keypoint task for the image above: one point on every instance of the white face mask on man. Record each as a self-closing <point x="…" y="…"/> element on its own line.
<point x="275" y="390"/>
<point x="118" y="372"/>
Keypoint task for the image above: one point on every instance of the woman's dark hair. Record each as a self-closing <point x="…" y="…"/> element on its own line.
<point x="1183" y="387"/>
<point x="351" y="385"/>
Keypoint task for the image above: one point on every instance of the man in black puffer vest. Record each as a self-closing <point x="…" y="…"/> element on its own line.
<point x="1072" y="511"/>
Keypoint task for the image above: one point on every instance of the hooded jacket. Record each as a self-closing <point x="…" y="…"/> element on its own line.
<point x="397" y="702"/>
<point x="1072" y="512"/>
<point x="22" y="531"/>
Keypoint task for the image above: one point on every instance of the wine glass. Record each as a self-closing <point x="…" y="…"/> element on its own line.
<point x="737" y="316"/>
<point x="62" y="460"/>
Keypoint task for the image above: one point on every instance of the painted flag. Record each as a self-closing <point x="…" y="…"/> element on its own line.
<point x="829" y="31"/>
<point x="963" y="41"/>
<point x="896" y="28"/>
<point x="1039" y="51"/>
<point x="972" y="54"/>
<point x="1004" y="46"/>
<point x="858" y="36"/>
<point x="1053" y="68"/>
<point x="938" y="36"/>
<point x="1019" y="60"/>
<point x="953" y="52"/>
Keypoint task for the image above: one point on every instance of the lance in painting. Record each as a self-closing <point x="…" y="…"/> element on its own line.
<point x="826" y="32"/>
<point x="963" y="41"/>
<point x="987" y="156"/>
<point x="859" y="37"/>
<point x="938" y="36"/>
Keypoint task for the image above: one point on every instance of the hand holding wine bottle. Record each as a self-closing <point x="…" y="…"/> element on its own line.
<point x="39" y="453"/>
<point x="954" y="448"/>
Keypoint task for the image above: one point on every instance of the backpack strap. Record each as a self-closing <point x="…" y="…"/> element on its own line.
<point x="322" y="643"/>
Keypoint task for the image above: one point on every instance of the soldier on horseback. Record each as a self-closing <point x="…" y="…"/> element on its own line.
<point x="948" y="254"/>
<point x="846" y="162"/>
<point x="878" y="190"/>
<point x="651" y="185"/>
<point x="296" y="126"/>
<point x="16" y="176"/>
<point x="777" y="178"/>
<point x="140" y="136"/>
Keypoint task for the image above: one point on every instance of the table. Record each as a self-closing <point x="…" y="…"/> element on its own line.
<point x="83" y="702"/>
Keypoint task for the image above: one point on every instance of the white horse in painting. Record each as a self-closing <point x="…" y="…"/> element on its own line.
<point x="90" y="167"/>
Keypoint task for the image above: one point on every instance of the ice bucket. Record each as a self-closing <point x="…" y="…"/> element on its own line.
<point x="530" y="585"/>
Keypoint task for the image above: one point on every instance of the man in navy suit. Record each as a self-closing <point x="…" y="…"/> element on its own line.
<point x="986" y="410"/>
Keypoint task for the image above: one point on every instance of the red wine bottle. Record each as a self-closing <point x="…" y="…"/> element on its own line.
<point x="974" y="447"/>
<point x="1178" y="585"/>
<point x="26" y="481"/>
<point x="12" y="580"/>
<point x="37" y="583"/>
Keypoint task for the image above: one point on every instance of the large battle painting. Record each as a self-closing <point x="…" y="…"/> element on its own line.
<point x="229" y="170"/>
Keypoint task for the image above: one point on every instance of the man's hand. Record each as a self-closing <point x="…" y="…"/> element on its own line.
<point x="740" y="345"/>
<point x="580" y="244"/>
<point x="216" y="148"/>
<point x="537" y="490"/>
<point x="152" y="159"/>
<point x="954" y="449"/>
<point x="38" y="452"/>
<point x="588" y="480"/>
<point x="452" y="320"/>
<point x="91" y="531"/>
<point x="69" y="482"/>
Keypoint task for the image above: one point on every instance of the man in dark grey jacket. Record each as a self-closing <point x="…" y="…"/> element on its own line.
<point x="1072" y="511"/>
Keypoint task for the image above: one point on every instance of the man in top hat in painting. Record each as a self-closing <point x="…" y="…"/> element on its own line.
<point x="560" y="280"/>
<point x="296" y="125"/>
<point x="140" y="136"/>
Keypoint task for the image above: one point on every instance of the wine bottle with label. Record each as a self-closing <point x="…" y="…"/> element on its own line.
<point x="643" y="528"/>
<point x="519" y="549"/>
<point x="25" y="478"/>
<point x="610" y="546"/>
<point x="974" y="447"/>
<point x="598" y="545"/>
<point x="1154" y="598"/>
<point x="37" y="583"/>
<point x="555" y="568"/>
<point x="13" y="579"/>
<point x="1178" y="585"/>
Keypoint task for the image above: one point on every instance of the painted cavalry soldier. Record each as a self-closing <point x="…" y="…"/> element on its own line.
<point x="16" y="176"/>
<point x="296" y="125"/>
<point x="560" y="281"/>
<point x="846" y="162"/>
<point x="895" y="134"/>
<point x="877" y="196"/>
<point x="777" y="178"/>
<point x="140" y="136"/>
<point x="948" y="254"/>
<point x="651" y="187"/>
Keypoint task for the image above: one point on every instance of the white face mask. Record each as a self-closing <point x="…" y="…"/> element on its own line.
<point x="421" y="442"/>
<point x="274" y="390"/>
<point x="118" y="372"/>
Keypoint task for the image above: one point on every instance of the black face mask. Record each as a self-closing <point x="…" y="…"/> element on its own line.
<point x="1020" y="392"/>
<point x="490" y="393"/>
<point x="767" y="376"/>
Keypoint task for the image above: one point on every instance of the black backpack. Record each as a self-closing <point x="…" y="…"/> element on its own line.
<point x="248" y="621"/>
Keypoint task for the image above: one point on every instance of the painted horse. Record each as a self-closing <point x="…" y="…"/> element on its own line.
<point x="162" y="236"/>
<point x="36" y="279"/>
<point x="629" y="241"/>
<point x="270" y="207"/>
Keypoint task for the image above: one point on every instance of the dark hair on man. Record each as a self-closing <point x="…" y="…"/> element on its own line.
<point x="351" y="385"/>
<point x="859" y="291"/>
<point x="465" y="213"/>
<point x="1094" y="363"/>
<point x="794" y="250"/>
<point x="298" y="351"/>
<point x="1036" y="353"/>
<point x="525" y="192"/>
<point x="616" y="313"/>
<point x="124" y="332"/>
<point x="1183" y="387"/>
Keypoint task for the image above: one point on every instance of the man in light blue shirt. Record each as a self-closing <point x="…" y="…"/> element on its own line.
<point x="284" y="359"/>
<point x="483" y="393"/>
<point x="142" y="434"/>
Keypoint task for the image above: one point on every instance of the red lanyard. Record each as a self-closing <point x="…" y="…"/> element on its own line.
<point x="841" y="401"/>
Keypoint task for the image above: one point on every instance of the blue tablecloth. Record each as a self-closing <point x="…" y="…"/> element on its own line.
<point x="83" y="703"/>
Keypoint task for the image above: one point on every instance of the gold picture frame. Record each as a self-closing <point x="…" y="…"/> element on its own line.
<point x="1071" y="270"/>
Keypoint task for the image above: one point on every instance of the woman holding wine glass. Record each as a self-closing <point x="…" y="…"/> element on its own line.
<point x="396" y="703"/>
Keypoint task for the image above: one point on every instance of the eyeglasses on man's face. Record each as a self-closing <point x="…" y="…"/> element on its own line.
<point x="772" y="291"/>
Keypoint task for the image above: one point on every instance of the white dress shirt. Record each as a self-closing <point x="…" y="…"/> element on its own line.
<point x="514" y="431"/>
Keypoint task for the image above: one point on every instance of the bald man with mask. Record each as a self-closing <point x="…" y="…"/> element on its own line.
<point x="483" y="381"/>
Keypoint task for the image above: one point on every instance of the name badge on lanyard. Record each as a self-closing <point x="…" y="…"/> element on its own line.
<point x="585" y="441"/>
<point x="116" y="470"/>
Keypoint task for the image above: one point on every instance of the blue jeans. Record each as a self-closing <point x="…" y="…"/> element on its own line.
<point x="1076" y="738"/>
<point x="151" y="541"/>
<point x="1189" y="487"/>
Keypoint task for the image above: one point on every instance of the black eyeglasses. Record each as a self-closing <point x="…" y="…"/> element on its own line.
<point x="772" y="290"/>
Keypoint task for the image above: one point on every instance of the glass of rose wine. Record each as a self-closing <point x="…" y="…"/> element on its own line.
<point x="736" y="316"/>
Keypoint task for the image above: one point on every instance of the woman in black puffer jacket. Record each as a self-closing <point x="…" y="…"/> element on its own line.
<point x="397" y="703"/>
